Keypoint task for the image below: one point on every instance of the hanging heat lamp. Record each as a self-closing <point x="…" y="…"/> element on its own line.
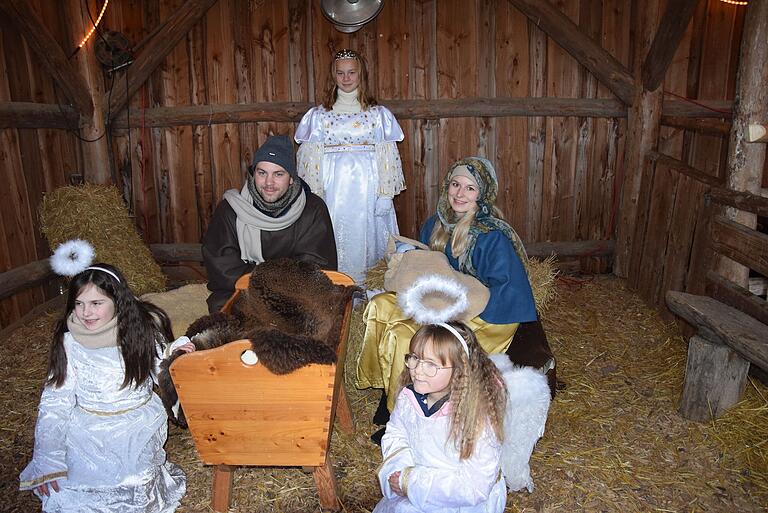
<point x="349" y="15"/>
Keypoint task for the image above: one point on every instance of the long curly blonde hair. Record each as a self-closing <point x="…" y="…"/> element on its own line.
<point x="477" y="390"/>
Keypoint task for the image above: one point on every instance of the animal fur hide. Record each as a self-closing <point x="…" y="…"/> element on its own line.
<point x="291" y="312"/>
<point x="528" y="398"/>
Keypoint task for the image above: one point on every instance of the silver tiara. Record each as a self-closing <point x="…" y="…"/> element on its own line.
<point x="345" y="54"/>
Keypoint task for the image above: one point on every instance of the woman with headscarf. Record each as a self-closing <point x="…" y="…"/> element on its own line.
<point x="470" y="230"/>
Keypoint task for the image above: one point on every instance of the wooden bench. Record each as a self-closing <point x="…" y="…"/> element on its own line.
<point x="240" y="413"/>
<point x="719" y="355"/>
<point x="730" y="322"/>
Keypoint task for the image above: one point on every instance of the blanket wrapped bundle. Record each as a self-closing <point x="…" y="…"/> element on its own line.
<point x="291" y="312"/>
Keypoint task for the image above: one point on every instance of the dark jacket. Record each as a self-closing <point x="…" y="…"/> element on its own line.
<point x="309" y="239"/>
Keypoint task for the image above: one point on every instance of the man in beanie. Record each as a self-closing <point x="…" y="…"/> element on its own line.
<point x="274" y="215"/>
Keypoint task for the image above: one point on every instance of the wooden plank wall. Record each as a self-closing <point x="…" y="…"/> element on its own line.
<point x="556" y="173"/>
<point x="671" y="252"/>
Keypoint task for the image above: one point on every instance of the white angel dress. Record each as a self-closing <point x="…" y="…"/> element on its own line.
<point x="431" y="473"/>
<point x="102" y="444"/>
<point x="350" y="159"/>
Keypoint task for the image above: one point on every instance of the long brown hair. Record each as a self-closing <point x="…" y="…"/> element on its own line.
<point x="331" y="89"/>
<point x="140" y="326"/>
<point x="477" y="391"/>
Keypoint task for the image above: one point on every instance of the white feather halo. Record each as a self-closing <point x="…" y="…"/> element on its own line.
<point x="412" y="300"/>
<point x="72" y="257"/>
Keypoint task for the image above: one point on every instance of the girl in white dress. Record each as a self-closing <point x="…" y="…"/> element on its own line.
<point x="443" y="442"/>
<point x="348" y="156"/>
<point x="101" y="429"/>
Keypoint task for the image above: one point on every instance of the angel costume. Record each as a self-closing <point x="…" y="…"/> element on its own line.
<point x="432" y="476"/>
<point x="349" y="158"/>
<point x="103" y="444"/>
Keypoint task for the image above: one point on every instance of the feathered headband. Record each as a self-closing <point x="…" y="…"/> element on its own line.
<point x="75" y="256"/>
<point x="415" y="302"/>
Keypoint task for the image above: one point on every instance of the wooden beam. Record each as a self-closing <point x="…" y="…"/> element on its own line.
<point x="24" y="277"/>
<point x="37" y="115"/>
<point x="678" y="165"/>
<point x="757" y="133"/>
<point x="744" y="171"/>
<point x="154" y="51"/>
<point x="172" y="253"/>
<point x="49" y="54"/>
<point x="403" y="109"/>
<point x="737" y="297"/>
<point x="579" y="248"/>
<point x="668" y="36"/>
<point x="698" y="109"/>
<point x="698" y="125"/>
<point x="740" y="243"/>
<point x="606" y="68"/>
<point x="741" y="200"/>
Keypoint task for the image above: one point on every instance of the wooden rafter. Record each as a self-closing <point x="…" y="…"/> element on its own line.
<point x="52" y="58"/>
<point x="604" y="66"/>
<point x="668" y="36"/>
<point x="37" y="115"/>
<point x="154" y="51"/>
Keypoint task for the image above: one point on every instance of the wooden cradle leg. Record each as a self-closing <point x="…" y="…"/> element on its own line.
<point x="325" y="482"/>
<point x="343" y="412"/>
<point x="222" y="488"/>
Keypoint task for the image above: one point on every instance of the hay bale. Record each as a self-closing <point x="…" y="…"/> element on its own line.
<point x="97" y="213"/>
<point x="184" y="305"/>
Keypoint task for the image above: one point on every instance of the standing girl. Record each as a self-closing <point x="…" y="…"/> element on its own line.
<point x="100" y="430"/>
<point x="348" y="156"/>
<point x="442" y="446"/>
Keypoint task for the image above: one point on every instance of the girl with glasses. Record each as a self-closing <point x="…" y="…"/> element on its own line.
<point x="442" y="445"/>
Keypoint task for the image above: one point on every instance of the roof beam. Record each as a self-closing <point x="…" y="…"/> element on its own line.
<point x="52" y="58"/>
<point x="668" y="36"/>
<point x="604" y="66"/>
<point x="154" y="51"/>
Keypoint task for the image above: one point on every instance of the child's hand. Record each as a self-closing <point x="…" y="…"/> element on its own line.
<point x="43" y="488"/>
<point x="187" y="348"/>
<point x="394" y="483"/>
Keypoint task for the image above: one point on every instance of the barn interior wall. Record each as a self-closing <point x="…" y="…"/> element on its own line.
<point x="558" y="175"/>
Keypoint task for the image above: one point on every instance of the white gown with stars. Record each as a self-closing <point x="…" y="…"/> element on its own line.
<point x="350" y="160"/>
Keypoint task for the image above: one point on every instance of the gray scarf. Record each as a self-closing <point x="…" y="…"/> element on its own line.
<point x="106" y="336"/>
<point x="251" y="220"/>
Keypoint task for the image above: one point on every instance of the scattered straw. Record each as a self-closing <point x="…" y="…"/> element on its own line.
<point x="614" y="440"/>
<point x="97" y="213"/>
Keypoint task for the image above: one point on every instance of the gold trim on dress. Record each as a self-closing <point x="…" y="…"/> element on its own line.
<point x="34" y="483"/>
<point x="116" y="412"/>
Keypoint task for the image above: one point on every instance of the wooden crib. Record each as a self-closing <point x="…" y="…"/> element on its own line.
<point x="241" y="414"/>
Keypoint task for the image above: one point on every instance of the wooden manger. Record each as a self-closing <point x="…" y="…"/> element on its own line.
<point x="241" y="414"/>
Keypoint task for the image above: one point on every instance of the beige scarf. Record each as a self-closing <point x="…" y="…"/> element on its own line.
<point x="106" y="336"/>
<point x="250" y="222"/>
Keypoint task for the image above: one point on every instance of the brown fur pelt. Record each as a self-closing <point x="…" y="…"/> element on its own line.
<point x="291" y="312"/>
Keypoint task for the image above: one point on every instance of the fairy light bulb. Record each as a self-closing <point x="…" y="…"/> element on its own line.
<point x="93" y="28"/>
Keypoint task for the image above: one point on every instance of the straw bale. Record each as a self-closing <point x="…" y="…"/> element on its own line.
<point x="183" y="305"/>
<point x="97" y="213"/>
<point x="614" y="440"/>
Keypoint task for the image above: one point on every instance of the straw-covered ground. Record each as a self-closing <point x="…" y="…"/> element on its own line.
<point x="614" y="440"/>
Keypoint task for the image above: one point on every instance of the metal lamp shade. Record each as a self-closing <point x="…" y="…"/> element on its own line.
<point x="349" y="15"/>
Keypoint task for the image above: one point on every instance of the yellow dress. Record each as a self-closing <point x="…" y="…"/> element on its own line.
<point x="387" y="338"/>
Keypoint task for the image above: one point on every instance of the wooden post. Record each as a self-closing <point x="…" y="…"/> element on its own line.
<point x="746" y="161"/>
<point x="222" y="488"/>
<point x="715" y="376"/>
<point x="643" y="126"/>
<point x="95" y="151"/>
<point x="325" y="481"/>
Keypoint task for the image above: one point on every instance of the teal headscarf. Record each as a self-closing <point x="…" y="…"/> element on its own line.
<point x="484" y="174"/>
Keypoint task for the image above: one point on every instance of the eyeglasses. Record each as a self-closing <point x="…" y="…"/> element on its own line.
<point x="428" y="368"/>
